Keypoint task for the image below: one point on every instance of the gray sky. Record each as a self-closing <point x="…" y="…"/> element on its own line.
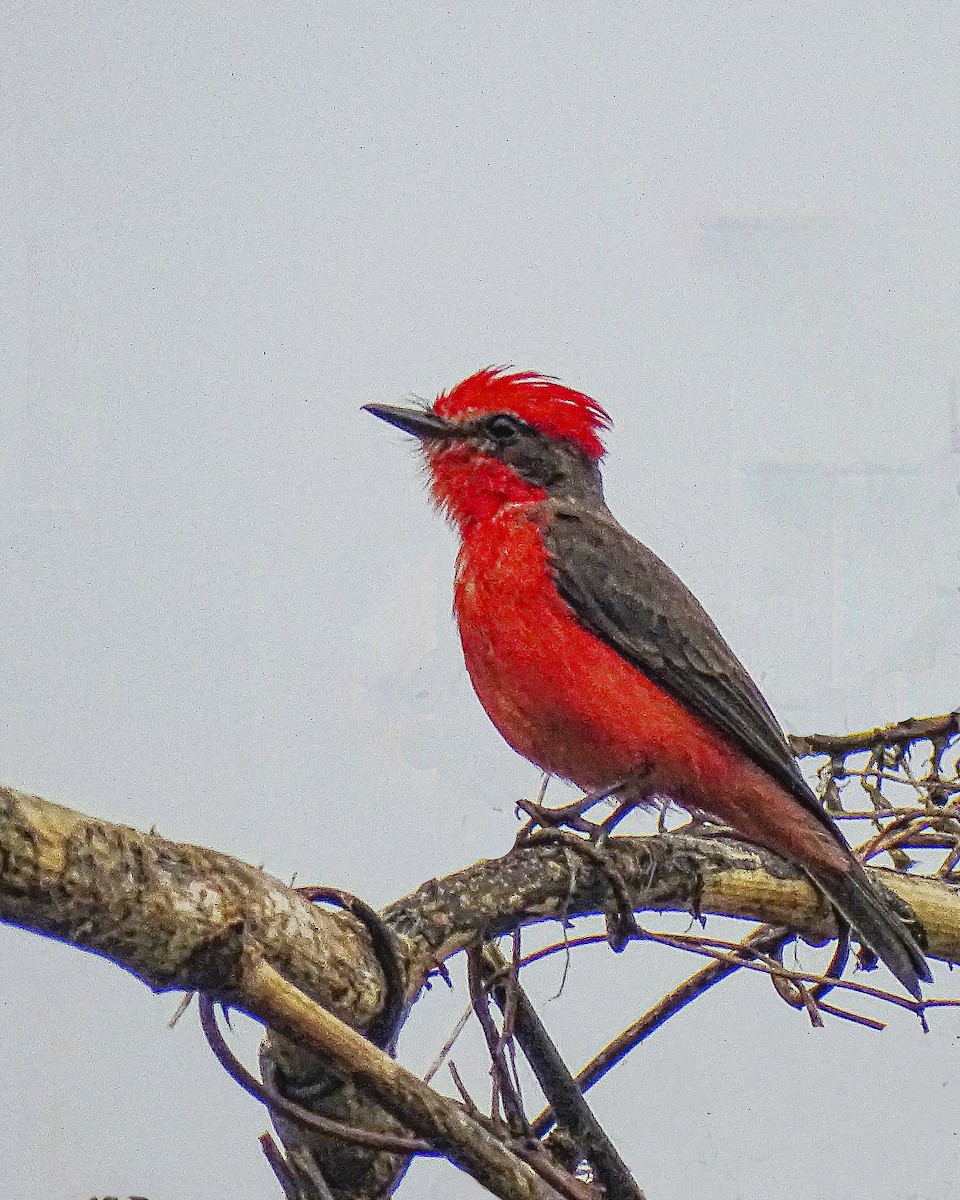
<point x="225" y="600"/>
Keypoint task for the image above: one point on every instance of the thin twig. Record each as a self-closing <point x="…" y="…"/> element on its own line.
<point x="558" y="1084"/>
<point x="714" y="948"/>
<point x="371" y="1139"/>
<point x="181" y="1008"/>
<point x="468" y="1101"/>
<point x="899" y="733"/>
<point x="879" y="775"/>
<point x="509" y="1014"/>
<point x="383" y="1030"/>
<point x="285" y="1177"/>
<point x="504" y="1088"/>
<point x="722" y="950"/>
<point x="448" y="1044"/>
<point x="846" y="1015"/>
<point x="799" y="995"/>
<point x="765" y="937"/>
<point x="537" y="1157"/>
<point x="882" y="840"/>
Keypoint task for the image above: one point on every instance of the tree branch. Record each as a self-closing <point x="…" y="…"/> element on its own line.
<point x="678" y="872"/>
<point x="174" y="915"/>
<point x="183" y="917"/>
<point x="900" y="733"/>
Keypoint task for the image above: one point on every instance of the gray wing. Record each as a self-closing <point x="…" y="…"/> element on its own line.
<point x="624" y="594"/>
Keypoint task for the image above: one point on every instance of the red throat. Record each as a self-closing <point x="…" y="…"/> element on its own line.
<point x="471" y="487"/>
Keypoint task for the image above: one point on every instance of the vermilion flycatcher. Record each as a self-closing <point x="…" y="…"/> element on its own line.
<point x="592" y="658"/>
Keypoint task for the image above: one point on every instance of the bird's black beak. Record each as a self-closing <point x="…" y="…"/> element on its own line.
<point x="421" y="422"/>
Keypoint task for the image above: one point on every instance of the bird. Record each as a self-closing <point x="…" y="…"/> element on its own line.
<point x="591" y="657"/>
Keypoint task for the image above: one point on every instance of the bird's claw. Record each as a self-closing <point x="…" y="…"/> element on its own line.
<point x="541" y="817"/>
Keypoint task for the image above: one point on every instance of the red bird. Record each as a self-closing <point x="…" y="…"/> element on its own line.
<point x="592" y="658"/>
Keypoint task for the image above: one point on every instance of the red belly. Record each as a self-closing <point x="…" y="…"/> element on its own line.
<point x="560" y="696"/>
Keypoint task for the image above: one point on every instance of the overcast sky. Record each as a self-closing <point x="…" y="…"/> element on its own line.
<point x="225" y="600"/>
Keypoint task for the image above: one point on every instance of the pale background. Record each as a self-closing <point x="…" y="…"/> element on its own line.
<point x="224" y="597"/>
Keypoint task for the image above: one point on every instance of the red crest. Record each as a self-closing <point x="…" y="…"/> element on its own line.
<point x="542" y="402"/>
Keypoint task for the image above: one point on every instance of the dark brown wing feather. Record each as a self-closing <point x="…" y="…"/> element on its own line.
<point x="621" y="591"/>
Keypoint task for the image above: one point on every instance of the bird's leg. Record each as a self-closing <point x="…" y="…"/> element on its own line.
<point x="633" y="791"/>
<point x="628" y="793"/>
<point x="702" y="825"/>
<point x="608" y="824"/>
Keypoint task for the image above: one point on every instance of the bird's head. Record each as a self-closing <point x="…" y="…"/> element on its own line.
<point x="503" y="437"/>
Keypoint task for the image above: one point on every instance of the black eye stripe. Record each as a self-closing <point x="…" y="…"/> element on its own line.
<point x="502" y="427"/>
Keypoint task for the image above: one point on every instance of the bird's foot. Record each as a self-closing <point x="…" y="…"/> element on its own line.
<point x="570" y="816"/>
<point x="567" y="816"/>
<point x="604" y="828"/>
<point x="541" y="817"/>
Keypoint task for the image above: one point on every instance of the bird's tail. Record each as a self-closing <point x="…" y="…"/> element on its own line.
<point x="887" y="924"/>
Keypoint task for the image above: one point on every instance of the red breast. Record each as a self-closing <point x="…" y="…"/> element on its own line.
<point x="557" y="694"/>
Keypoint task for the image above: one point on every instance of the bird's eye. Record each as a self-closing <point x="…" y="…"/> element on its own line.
<point x="503" y="428"/>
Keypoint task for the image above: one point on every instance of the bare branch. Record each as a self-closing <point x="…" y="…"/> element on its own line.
<point x="505" y="1090"/>
<point x="680" y="872"/>
<point x="176" y="916"/>
<point x="913" y="729"/>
